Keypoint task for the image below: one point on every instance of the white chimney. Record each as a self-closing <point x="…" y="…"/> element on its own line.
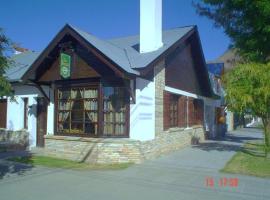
<point x="150" y="25"/>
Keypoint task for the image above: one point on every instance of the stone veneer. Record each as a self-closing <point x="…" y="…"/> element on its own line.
<point x="122" y="150"/>
<point x="14" y="140"/>
<point x="159" y="77"/>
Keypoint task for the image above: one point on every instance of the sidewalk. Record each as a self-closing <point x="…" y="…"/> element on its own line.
<point x="179" y="175"/>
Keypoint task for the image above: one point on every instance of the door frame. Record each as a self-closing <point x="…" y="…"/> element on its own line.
<point x="38" y="144"/>
<point x="5" y="103"/>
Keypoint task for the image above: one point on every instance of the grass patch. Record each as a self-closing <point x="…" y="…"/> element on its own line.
<point x="250" y="160"/>
<point x="67" y="164"/>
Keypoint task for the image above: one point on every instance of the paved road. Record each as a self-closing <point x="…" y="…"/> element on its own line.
<point x="179" y="175"/>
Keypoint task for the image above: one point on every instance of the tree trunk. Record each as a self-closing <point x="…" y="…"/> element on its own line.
<point x="266" y="125"/>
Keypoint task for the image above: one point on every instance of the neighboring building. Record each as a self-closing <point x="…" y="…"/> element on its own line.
<point x="214" y="115"/>
<point x="20" y="112"/>
<point x="119" y="100"/>
<point x="230" y="58"/>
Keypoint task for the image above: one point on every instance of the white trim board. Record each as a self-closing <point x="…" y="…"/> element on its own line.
<point x="181" y="92"/>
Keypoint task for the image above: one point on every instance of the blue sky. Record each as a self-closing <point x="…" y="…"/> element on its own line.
<point x="33" y="23"/>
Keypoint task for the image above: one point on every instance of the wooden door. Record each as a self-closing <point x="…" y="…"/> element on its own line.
<point x="3" y="113"/>
<point x="41" y="120"/>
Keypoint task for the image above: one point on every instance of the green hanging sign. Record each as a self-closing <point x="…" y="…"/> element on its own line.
<point x="65" y="63"/>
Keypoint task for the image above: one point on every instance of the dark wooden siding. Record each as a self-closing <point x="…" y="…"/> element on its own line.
<point x="3" y="113"/>
<point x="79" y="69"/>
<point x="180" y="71"/>
<point x="186" y="68"/>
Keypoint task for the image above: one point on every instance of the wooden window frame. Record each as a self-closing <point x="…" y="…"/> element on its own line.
<point x="99" y="87"/>
<point x="57" y="100"/>
<point x="126" y="119"/>
<point x="173" y="111"/>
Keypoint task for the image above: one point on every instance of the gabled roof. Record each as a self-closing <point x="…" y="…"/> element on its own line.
<point x="114" y="53"/>
<point x="121" y="52"/>
<point x="140" y="60"/>
<point x="124" y="51"/>
<point x="20" y="63"/>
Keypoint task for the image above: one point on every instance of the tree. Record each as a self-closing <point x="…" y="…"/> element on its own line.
<point x="247" y="89"/>
<point x="5" y="87"/>
<point x="246" y="22"/>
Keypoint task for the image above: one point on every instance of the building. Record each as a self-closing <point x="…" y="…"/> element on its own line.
<point x="118" y="100"/>
<point x="214" y="115"/>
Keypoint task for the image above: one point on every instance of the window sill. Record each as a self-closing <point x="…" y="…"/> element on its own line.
<point x="88" y="139"/>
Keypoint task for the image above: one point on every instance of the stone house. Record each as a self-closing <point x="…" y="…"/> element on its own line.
<point x="118" y="100"/>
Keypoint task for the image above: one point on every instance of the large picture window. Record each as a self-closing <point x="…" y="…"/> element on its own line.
<point x="82" y="111"/>
<point x="78" y="110"/>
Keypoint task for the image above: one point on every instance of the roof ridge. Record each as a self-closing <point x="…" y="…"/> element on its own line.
<point x="103" y="40"/>
<point x="128" y="36"/>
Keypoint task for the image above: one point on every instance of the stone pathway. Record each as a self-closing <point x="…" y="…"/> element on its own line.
<point x="179" y="175"/>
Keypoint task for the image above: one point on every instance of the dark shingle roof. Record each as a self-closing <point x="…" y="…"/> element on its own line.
<point x="20" y="64"/>
<point x="139" y="60"/>
<point x="125" y="51"/>
<point x="113" y="52"/>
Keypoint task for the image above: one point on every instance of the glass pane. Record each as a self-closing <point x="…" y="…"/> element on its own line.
<point x="64" y="105"/>
<point x="77" y="116"/>
<point x="77" y="105"/>
<point x="63" y="127"/>
<point x="90" y="93"/>
<point x="91" y="128"/>
<point x="108" y="129"/>
<point x="64" y="94"/>
<point x="76" y="93"/>
<point x="115" y="100"/>
<point x="63" y="116"/>
<point x="76" y="128"/>
<point x="91" y="117"/>
<point x="91" y="104"/>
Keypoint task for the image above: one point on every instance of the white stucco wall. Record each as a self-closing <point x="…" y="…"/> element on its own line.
<point x="50" y="113"/>
<point x="15" y="111"/>
<point x="142" y="113"/>
<point x="209" y="115"/>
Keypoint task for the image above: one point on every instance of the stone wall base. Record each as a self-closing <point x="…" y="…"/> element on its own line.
<point x="122" y="150"/>
<point x="14" y="140"/>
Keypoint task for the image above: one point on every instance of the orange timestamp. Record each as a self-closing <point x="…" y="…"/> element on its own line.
<point x="221" y="182"/>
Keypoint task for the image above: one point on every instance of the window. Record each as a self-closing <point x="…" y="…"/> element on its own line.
<point x="115" y="101"/>
<point x="181" y="111"/>
<point x="25" y="114"/>
<point x="198" y="111"/>
<point x="174" y="111"/>
<point x="77" y="110"/>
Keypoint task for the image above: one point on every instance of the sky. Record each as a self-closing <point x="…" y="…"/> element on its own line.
<point x="33" y="23"/>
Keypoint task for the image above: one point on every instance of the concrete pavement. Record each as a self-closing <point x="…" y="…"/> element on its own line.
<point x="179" y="175"/>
